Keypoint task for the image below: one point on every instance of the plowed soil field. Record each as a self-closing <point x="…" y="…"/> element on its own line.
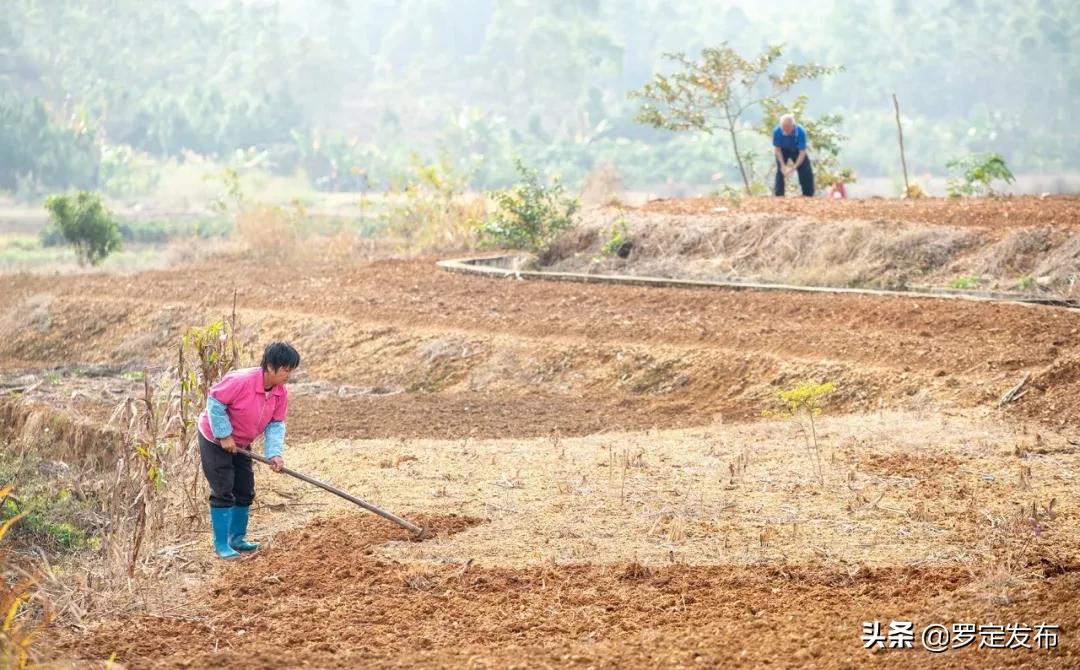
<point x="595" y="462"/>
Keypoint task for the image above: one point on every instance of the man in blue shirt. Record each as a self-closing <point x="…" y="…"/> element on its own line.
<point x="789" y="144"/>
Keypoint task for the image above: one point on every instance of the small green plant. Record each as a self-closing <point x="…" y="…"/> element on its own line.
<point x="965" y="283"/>
<point x="618" y="242"/>
<point x="803" y="403"/>
<point x="57" y="536"/>
<point x="528" y="216"/>
<point x="974" y="174"/>
<point x="85" y="223"/>
<point x="1027" y="284"/>
<point x="50" y="517"/>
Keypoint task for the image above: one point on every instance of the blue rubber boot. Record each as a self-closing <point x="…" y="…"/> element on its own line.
<point x="220" y="521"/>
<point x="239" y="530"/>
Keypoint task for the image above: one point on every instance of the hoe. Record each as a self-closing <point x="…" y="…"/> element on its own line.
<point x="418" y="532"/>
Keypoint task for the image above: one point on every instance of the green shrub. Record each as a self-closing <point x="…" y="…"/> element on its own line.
<point x="972" y="175"/>
<point x="528" y="216"/>
<point x="85" y="223"/>
<point x="619" y="242"/>
<point x="1027" y="284"/>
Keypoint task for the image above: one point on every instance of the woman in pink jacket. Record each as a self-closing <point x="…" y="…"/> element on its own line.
<point x="242" y="406"/>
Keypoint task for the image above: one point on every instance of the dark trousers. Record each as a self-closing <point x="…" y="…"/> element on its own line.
<point x="232" y="482"/>
<point x="806" y="173"/>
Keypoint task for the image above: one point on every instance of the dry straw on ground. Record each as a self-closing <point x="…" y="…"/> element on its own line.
<point x="899" y="490"/>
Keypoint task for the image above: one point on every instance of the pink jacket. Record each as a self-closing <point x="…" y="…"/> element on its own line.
<point x="249" y="406"/>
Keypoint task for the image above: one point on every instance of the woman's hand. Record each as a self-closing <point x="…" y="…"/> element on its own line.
<point x="277" y="463"/>
<point x="229" y="444"/>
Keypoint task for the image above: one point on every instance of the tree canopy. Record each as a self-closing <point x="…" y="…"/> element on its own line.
<point x="343" y="88"/>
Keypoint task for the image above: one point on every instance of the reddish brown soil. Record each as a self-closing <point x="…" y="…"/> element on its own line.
<point x="993" y="214"/>
<point x="324" y="601"/>
<point x="461" y="415"/>
<point x="414" y="293"/>
<point x="966" y="352"/>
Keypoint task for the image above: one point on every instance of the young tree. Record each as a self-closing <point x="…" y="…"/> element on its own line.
<point x="717" y="93"/>
<point x="973" y="175"/>
<point x="85" y="223"/>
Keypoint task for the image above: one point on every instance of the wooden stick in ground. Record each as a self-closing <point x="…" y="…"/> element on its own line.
<point x="1014" y="393"/>
<point x="900" y="130"/>
<point x="411" y="527"/>
<point x="232" y="330"/>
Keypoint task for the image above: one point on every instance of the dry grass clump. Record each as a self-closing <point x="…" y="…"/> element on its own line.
<point x="602" y="186"/>
<point x="269" y="229"/>
<point x="421" y="222"/>
<point x="24" y="614"/>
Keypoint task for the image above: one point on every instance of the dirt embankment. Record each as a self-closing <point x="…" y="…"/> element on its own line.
<point x="1022" y="245"/>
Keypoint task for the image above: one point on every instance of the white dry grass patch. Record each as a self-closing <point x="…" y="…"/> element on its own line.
<point x="899" y="489"/>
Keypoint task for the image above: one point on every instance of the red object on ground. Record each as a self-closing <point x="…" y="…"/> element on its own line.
<point x="837" y="190"/>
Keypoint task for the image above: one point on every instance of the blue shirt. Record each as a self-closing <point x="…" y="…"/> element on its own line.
<point x="795" y="141"/>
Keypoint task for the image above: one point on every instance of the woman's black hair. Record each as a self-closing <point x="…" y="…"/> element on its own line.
<point x="280" y="355"/>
